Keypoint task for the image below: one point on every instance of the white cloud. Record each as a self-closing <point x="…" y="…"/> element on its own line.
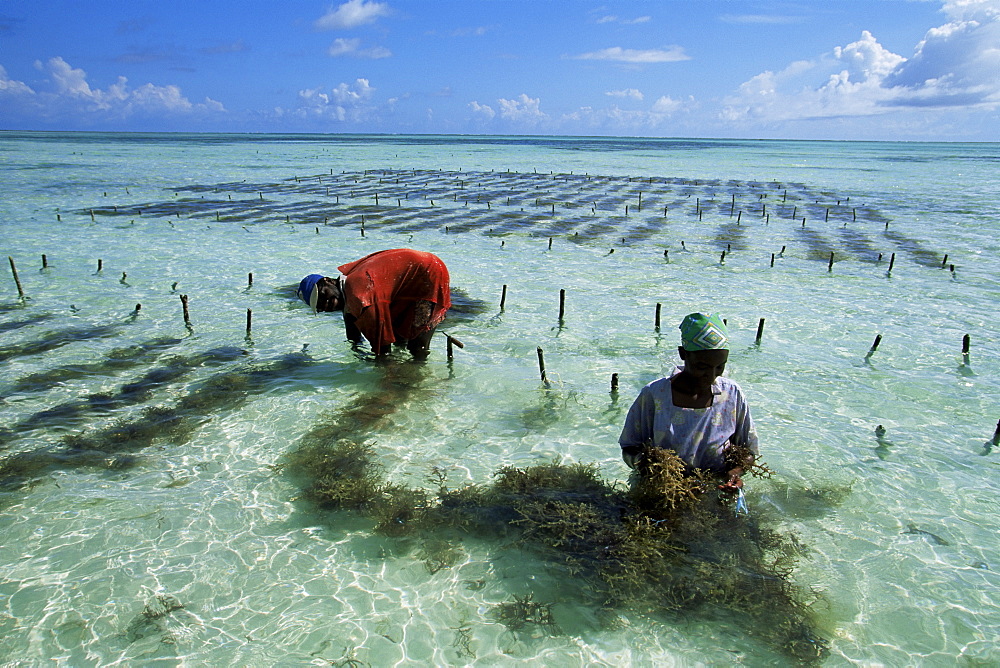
<point x="71" y="99"/>
<point x="866" y="59"/>
<point x="352" y="14"/>
<point x="361" y="90"/>
<point x="666" y="106"/>
<point x="352" y="47"/>
<point x="482" y="110"/>
<point x="760" y="19"/>
<point x="955" y="66"/>
<point x="612" y="18"/>
<point x="11" y="87"/>
<point x="343" y="47"/>
<point x="478" y="31"/>
<point x="661" y="115"/>
<point x="522" y="109"/>
<point x="345" y="102"/>
<point x="632" y="93"/>
<point x="616" y="53"/>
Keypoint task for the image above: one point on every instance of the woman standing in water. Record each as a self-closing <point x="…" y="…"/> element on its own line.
<point x="695" y="411"/>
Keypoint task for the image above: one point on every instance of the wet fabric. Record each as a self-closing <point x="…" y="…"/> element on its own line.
<point x="700" y="331"/>
<point x="396" y="294"/>
<point x="699" y="436"/>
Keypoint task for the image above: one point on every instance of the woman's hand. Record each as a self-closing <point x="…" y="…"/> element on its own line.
<point x="734" y="482"/>
<point x="632" y="455"/>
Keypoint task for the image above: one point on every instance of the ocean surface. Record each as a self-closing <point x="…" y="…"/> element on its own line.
<point x="147" y="515"/>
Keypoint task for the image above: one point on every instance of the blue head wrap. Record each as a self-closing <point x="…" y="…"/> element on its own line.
<point x="307" y="290"/>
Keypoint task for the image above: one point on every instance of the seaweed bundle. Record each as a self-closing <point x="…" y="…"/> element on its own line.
<point x="668" y="544"/>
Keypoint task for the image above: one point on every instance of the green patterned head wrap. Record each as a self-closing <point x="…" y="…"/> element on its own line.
<point x="704" y="332"/>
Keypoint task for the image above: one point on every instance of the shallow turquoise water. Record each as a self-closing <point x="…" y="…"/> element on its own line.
<point x="905" y="559"/>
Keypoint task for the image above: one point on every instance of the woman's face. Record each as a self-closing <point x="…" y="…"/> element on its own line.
<point x="329" y="297"/>
<point x="704" y="365"/>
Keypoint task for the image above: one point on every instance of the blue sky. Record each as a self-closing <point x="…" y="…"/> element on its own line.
<point x="832" y="69"/>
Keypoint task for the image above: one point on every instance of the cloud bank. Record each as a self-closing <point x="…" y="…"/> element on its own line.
<point x="68" y="96"/>
<point x="956" y="65"/>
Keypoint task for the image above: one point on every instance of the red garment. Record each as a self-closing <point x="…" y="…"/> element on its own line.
<point x="382" y="291"/>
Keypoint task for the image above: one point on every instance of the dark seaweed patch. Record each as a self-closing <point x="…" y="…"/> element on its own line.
<point x="914" y="249"/>
<point x="115" y="447"/>
<point x="666" y="546"/>
<point x="116" y="360"/>
<point x="57" y="339"/>
<point x="73" y="413"/>
<point x="406" y="201"/>
<point x="25" y="322"/>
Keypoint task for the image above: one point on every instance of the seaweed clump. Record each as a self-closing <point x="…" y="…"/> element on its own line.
<point x="669" y="544"/>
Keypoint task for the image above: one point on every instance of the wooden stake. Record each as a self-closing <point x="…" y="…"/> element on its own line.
<point x="452" y="341"/>
<point x="45" y="261"/>
<point x="187" y="316"/>
<point x="562" y="304"/>
<point x="944" y="262"/>
<point x="772" y="259"/>
<point x="830" y="267"/>
<point x="966" y="341"/>
<point x="878" y="340"/>
<point x="614" y="383"/>
<point x="503" y="296"/>
<point x="250" y="280"/>
<point x="892" y="261"/>
<point x="541" y="365"/>
<point x="17" y="281"/>
<point x="656" y="320"/>
<point x="100" y="264"/>
<point x="760" y="331"/>
<point x="249" y="319"/>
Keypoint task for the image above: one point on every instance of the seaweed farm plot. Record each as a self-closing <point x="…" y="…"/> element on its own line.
<point x="177" y="487"/>
<point x="666" y="546"/>
<point x="119" y="445"/>
<point x="747" y="216"/>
